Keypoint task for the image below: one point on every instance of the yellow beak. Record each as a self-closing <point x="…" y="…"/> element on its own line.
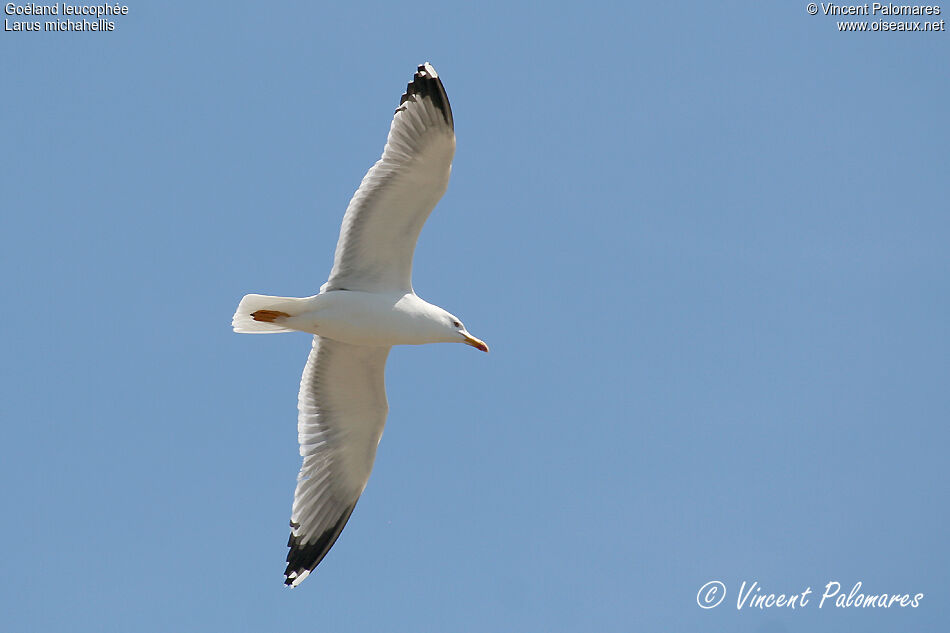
<point x="474" y="342"/>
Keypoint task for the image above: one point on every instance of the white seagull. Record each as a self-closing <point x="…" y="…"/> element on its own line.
<point x="367" y="306"/>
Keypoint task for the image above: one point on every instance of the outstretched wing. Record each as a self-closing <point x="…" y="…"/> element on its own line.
<point x="342" y="410"/>
<point x="383" y="220"/>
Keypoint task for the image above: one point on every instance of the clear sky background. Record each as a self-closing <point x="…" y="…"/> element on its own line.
<point x="707" y="243"/>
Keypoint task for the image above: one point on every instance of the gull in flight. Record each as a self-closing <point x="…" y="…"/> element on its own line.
<point x="367" y="306"/>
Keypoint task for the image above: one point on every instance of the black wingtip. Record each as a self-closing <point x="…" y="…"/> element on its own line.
<point x="426" y="84"/>
<point x="303" y="558"/>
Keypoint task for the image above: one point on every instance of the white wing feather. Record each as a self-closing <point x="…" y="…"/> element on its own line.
<point x="342" y="410"/>
<point x="384" y="218"/>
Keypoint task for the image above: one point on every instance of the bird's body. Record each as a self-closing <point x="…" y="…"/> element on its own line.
<point x="357" y="317"/>
<point x="366" y="306"/>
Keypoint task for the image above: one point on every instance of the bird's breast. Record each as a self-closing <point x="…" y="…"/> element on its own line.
<point x="361" y="318"/>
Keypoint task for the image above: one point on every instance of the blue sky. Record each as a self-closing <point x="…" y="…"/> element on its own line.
<point x="707" y="244"/>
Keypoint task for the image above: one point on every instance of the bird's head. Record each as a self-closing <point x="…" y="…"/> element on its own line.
<point x="460" y="335"/>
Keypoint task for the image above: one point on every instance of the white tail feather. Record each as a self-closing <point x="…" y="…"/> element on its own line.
<point x="243" y="322"/>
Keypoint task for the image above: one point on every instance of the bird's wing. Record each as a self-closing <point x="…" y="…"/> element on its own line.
<point x="342" y="410"/>
<point x="383" y="220"/>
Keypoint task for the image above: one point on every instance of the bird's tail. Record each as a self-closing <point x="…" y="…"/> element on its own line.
<point x="262" y="314"/>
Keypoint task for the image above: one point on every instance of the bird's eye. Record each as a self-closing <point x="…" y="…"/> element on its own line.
<point x="456" y="324"/>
